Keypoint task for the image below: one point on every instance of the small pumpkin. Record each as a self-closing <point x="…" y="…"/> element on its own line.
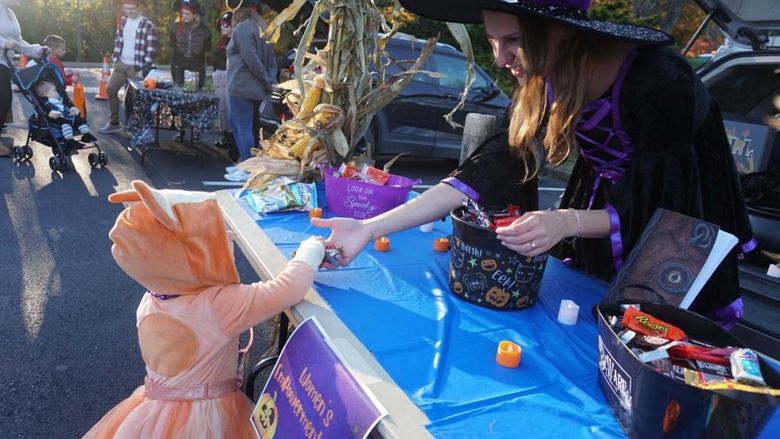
<point x="522" y="302"/>
<point x="150" y="83"/>
<point x="497" y="297"/>
<point x="488" y="264"/>
<point x="266" y="416"/>
<point x="671" y="415"/>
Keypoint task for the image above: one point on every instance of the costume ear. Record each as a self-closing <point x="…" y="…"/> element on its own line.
<point x="124" y="197"/>
<point x="158" y="205"/>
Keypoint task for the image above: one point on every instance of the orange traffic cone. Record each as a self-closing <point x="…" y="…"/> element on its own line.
<point x="23" y="61"/>
<point x="79" y="100"/>
<point x="103" y="92"/>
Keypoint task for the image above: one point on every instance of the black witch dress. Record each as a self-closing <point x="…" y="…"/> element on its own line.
<point x="655" y="139"/>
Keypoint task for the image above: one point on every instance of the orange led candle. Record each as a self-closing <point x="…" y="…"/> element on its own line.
<point x="382" y="244"/>
<point x="315" y="213"/>
<point x="508" y="354"/>
<point x="441" y="244"/>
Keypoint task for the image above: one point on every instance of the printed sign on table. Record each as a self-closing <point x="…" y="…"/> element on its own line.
<point x="312" y="393"/>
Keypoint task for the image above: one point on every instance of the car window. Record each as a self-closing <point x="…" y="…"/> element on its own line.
<point x="404" y="58"/>
<point x="747" y="90"/>
<point x="455" y="70"/>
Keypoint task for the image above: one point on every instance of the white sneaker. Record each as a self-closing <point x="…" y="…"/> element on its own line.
<point x="238" y="176"/>
<point x="231" y="169"/>
<point x="111" y="128"/>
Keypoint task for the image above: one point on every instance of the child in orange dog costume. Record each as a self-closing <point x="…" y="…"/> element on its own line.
<point x="174" y="243"/>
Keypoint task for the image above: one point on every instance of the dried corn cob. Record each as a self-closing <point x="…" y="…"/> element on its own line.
<point x="300" y="146"/>
<point x="313" y="96"/>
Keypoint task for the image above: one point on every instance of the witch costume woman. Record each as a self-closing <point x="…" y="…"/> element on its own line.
<point x="654" y="139"/>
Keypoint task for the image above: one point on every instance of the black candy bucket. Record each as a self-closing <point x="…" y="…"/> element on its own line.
<point x="487" y="274"/>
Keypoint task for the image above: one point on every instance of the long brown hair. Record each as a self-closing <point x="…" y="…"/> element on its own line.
<point x="249" y="13"/>
<point x="530" y="110"/>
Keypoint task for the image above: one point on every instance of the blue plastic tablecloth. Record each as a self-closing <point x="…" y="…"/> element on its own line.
<point x="441" y="350"/>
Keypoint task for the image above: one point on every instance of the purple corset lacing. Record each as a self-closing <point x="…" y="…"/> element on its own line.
<point x="607" y="157"/>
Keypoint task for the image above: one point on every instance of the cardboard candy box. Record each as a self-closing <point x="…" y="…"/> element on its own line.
<point x="649" y="404"/>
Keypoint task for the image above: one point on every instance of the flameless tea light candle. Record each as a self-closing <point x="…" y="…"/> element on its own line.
<point x="426" y="228"/>
<point x="773" y="270"/>
<point x="508" y="354"/>
<point x="315" y="213"/>
<point x="441" y="244"/>
<point x="568" y="312"/>
<point x="382" y="244"/>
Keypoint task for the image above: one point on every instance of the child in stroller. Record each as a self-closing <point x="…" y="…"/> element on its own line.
<point x="54" y="119"/>
<point x="60" y="115"/>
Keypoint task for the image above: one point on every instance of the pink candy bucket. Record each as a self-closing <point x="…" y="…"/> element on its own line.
<point x="359" y="200"/>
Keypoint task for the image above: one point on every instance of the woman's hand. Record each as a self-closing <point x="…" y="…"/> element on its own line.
<point x="348" y="235"/>
<point x="536" y="232"/>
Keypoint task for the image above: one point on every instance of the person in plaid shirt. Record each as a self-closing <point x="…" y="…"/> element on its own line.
<point x="133" y="56"/>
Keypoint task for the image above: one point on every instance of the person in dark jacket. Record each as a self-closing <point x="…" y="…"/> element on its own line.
<point x="190" y="40"/>
<point x="251" y="76"/>
<point x="219" y="59"/>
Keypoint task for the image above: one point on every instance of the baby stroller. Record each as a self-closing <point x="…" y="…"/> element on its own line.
<point x="38" y="127"/>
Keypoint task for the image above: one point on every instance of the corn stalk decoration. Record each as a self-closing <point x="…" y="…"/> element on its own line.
<point x="338" y="89"/>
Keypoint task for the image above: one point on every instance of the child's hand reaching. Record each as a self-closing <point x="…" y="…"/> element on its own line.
<point x="74" y="111"/>
<point x="54" y="114"/>
<point x="311" y="251"/>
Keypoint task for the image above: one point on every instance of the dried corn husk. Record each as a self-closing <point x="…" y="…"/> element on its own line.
<point x="335" y="95"/>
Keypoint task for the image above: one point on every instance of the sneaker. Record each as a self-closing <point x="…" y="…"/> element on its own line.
<point x="237" y="176"/>
<point x="231" y="169"/>
<point x="111" y="128"/>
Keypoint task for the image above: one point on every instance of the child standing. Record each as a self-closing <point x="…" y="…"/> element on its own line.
<point x="174" y="243"/>
<point x="57" y="49"/>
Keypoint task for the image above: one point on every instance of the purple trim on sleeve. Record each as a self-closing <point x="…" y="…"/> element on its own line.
<point x="463" y="187"/>
<point x="614" y="236"/>
<point x="728" y="316"/>
<point x="749" y="246"/>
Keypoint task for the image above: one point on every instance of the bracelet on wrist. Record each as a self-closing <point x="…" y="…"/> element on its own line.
<point x="579" y="225"/>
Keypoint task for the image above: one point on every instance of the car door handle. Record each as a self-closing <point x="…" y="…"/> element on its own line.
<point x="450" y="96"/>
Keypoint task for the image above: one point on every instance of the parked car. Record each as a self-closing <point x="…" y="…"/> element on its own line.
<point x="414" y="121"/>
<point x="744" y="83"/>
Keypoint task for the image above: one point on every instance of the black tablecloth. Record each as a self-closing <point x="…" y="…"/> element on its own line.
<point x="190" y="108"/>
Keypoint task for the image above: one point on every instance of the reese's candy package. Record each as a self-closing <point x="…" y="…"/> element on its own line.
<point x="646" y="324"/>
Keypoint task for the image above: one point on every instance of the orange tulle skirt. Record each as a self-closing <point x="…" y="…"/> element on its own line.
<point x="141" y="417"/>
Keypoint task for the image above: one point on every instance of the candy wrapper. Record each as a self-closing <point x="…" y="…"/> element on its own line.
<point x="282" y="194"/>
<point x="745" y="367"/>
<point x="366" y="174"/>
<point x="476" y="215"/>
<point x="646" y="324"/>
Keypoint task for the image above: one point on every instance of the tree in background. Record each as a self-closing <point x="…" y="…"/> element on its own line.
<point x="98" y="24"/>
